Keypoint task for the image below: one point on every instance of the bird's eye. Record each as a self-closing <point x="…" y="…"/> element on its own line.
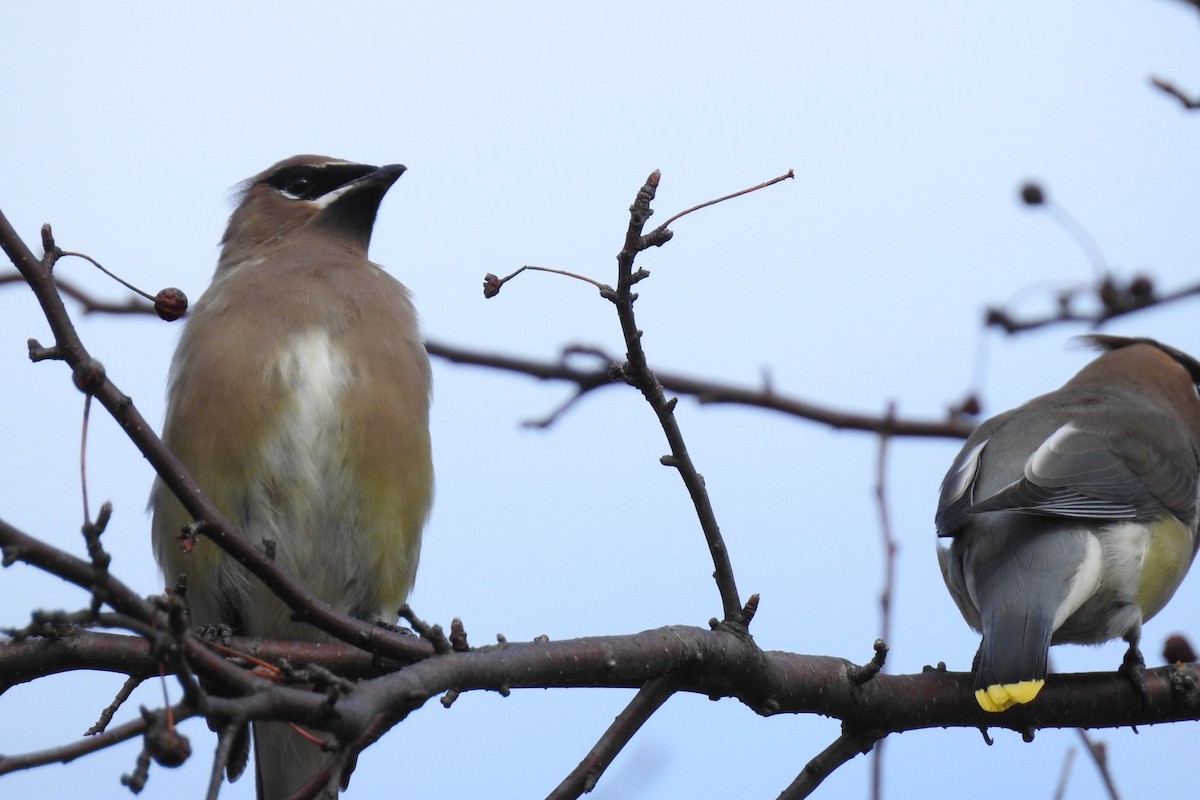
<point x="298" y="187"/>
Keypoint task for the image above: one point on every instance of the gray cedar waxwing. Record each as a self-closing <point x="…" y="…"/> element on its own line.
<point x="298" y="399"/>
<point x="1074" y="517"/>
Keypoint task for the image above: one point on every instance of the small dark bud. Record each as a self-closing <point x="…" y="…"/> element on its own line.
<point x="1142" y="287"/>
<point x="88" y="376"/>
<point x="1032" y="194"/>
<point x="1110" y="295"/>
<point x="1178" y="649"/>
<point x="491" y="285"/>
<point x="170" y="304"/>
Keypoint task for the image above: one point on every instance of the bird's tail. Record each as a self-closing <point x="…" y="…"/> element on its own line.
<point x="1012" y="662"/>
<point x="284" y="760"/>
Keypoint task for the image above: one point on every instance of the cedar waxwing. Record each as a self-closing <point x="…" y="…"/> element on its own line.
<point x="1074" y="517"/>
<point x="298" y="399"/>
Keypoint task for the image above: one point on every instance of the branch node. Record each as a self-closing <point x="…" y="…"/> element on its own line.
<point x="50" y="250"/>
<point x="655" y="238"/>
<point x="859" y="675"/>
<point x="458" y="636"/>
<point x="430" y="633"/>
<point x="89" y="376"/>
<point x="750" y="609"/>
<point x="39" y="353"/>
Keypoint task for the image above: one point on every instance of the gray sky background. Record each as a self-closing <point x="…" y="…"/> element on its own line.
<point x="527" y="128"/>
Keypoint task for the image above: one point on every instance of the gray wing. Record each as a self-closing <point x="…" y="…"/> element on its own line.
<point x="1081" y="473"/>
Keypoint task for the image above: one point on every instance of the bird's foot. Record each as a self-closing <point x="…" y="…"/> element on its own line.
<point x="1133" y="667"/>
<point x="400" y="629"/>
<point x="219" y="633"/>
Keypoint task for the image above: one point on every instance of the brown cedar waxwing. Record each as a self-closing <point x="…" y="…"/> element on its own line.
<point x="1074" y="517"/>
<point x="299" y="401"/>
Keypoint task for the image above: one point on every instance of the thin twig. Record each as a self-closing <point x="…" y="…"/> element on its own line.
<point x="492" y="284"/>
<point x="90" y="304"/>
<point x="83" y="439"/>
<point x="1188" y="102"/>
<point x="739" y="193"/>
<point x="99" y="266"/>
<point x="1081" y="235"/>
<point x="91" y="744"/>
<point x="1099" y="754"/>
<point x="889" y="576"/>
<point x="631" y="719"/>
<point x="1064" y="775"/>
<point x="131" y="683"/>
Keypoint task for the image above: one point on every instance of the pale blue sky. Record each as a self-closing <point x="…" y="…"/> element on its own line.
<point x="527" y="129"/>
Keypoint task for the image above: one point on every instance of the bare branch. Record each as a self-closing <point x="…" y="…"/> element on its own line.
<point x="787" y="175"/>
<point x="843" y="749"/>
<point x="1099" y="755"/>
<point x="709" y="392"/>
<point x="638" y="373"/>
<point x="1064" y="776"/>
<point x="1188" y="102"/>
<point x="82" y="747"/>
<point x="890" y="547"/>
<point x="1115" y="300"/>
<point x="631" y="719"/>
<point x="90" y="304"/>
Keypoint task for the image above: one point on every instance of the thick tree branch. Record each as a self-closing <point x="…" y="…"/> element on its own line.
<point x="706" y="662"/>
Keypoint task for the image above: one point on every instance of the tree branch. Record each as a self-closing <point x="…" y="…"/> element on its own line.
<point x="638" y="373"/>
<point x="631" y="719"/>
<point x="607" y="372"/>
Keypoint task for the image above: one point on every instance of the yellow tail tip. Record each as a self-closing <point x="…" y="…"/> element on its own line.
<point x="1000" y="696"/>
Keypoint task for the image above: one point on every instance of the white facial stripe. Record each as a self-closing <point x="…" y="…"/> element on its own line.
<point x="329" y="197"/>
